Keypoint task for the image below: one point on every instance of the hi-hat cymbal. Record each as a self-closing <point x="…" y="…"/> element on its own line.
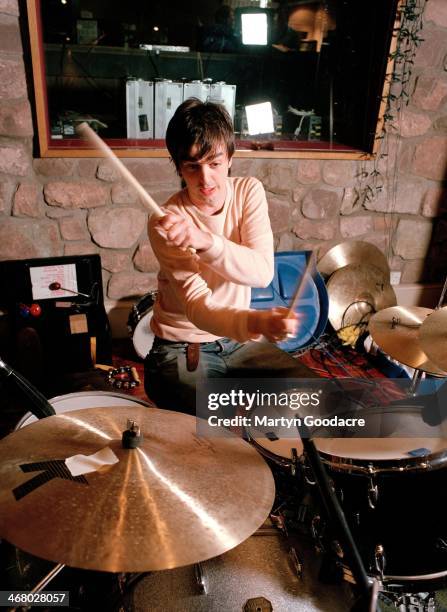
<point x="356" y="292"/>
<point x="176" y="500"/>
<point x="352" y="252"/>
<point x="433" y="337"/>
<point x="396" y="331"/>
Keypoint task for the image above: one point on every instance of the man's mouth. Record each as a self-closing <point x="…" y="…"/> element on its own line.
<point x="207" y="191"/>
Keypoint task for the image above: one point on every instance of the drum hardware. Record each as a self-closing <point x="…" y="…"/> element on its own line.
<point x="38" y="402"/>
<point x="207" y="497"/>
<point x="297" y="564"/>
<point x="356" y="292"/>
<point x="201" y="581"/>
<point x="379" y="560"/>
<point x="373" y="493"/>
<point x="258" y="604"/>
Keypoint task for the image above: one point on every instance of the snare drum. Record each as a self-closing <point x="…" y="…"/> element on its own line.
<point x="138" y="324"/>
<point x="84" y="399"/>
<point x="392" y="491"/>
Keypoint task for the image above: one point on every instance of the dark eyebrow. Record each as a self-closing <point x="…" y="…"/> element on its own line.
<point x="208" y="159"/>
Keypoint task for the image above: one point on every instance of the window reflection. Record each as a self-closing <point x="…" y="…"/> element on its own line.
<point x="125" y="66"/>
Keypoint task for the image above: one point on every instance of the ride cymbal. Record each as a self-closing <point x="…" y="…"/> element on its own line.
<point x="396" y="331"/>
<point x="356" y="292"/>
<point x="352" y="252"/>
<point x="176" y="500"/>
<point x="433" y="337"/>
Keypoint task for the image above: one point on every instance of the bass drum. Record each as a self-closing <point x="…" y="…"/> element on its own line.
<point x="392" y="491"/>
<point x="139" y="324"/>
<point x="256" y="575"/>
<point x="85" y="399"/>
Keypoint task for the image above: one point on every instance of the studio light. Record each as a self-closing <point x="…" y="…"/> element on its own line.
<point x="254" y="28"/>
<point x="260" y="118"/>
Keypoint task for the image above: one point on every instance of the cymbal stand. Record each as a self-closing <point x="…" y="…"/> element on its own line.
<point x="368" y="586"/>
<point x="415" y="381"/>
<point x="442" y="296"/>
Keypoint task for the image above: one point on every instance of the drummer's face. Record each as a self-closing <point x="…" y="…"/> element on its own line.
<point x="205" y="178"/>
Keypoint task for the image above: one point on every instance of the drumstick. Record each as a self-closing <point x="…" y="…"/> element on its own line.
<point x="85" y="131"/>
<point x="298" y="291"/>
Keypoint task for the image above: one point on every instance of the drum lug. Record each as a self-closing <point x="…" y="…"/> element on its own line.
<point x="296" y="562"/>
<point x="379" y="559"/>
<point x="316" y="531"/>
<point x="200" y="577"/>
<point x="306" y="470"/>
<point x="373" y="493"/>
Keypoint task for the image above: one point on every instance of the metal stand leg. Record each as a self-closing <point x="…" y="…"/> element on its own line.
<point x="201" y="581"/>
<point x="415" y="381"/>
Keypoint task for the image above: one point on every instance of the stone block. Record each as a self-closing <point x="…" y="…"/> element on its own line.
<point x="107" y="171"/>
<point x="26" y="201"/>
<point x="338" y="173"/>
<point x="432" y="50"/>
<point x="6" y="196"/>
<point x="413" y="271"/>
<point x="320" y="230"/>
<point x="74" y="227"/>
<point x="9" y="7"/>
<point x="57" y="166"/>
<point x="29" y="238"/>
<point x="130" y="285"/>
<point x="321" y="204"/>
<point x="430" y="158"/>
<point x="154" y="172"/>
<point x="87" y="168"/>
<point x="308" y="171"/>
<point x="87" y="194"/>
<point x="15" y="119"/>
<point x="14" y="159"/>
<point x="430" y="92"/>
<point x="284" y="242"/>
<point x="436" y="12"/>
<point x="84" y="247"/>
<point x="278" y="177"/>
<point x="351" y="201"/>
<point x="10" y="41"/>
<point x="411" y="239"/>
<point x="414" y="124"/>
<point x="356" y="226"/>
<point x="116" y="228"/>
<point x="144" y="259"/>
<point x="434" y="202"/>
<point x="440" y="124"/>
<point x="123" y="193"/>
<point x="115" y="261"/>
<point x="12" y="79"/>
<point x="279" y="213"/>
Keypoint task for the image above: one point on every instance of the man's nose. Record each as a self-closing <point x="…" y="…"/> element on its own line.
<point x="205" y="173"/>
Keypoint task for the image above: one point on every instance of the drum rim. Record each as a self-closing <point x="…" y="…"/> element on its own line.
<point x="140" y="309"/>
<point x="125" y="396"/>
<point x="279" y="459"/>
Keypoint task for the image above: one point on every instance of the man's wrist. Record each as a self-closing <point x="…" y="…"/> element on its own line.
<point x="205" y="242"/>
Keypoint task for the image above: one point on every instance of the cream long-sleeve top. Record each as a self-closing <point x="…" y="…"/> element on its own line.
<point x="206" y="296"/>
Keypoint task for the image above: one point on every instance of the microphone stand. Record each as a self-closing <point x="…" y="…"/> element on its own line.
<point x="368" y="586"/>
<point x="41" y="407"/>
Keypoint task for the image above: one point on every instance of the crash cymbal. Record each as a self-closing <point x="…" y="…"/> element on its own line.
<point x="356" y="292"/>
<point x="433" y="337"/>
<point x="352" y="252"/>
<point x="396" y="331"/>
<point x="177" y="499"/>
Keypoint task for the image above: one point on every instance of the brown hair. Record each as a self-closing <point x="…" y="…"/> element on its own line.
<point x="204" y="124"/>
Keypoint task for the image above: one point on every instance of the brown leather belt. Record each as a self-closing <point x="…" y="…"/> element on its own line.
<point x="192" y="356"/>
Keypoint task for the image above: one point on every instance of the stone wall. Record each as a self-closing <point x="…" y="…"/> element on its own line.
<point x="51" y="207"/>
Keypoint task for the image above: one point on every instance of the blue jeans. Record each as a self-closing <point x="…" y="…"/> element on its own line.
<point x="170" y="385"/>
